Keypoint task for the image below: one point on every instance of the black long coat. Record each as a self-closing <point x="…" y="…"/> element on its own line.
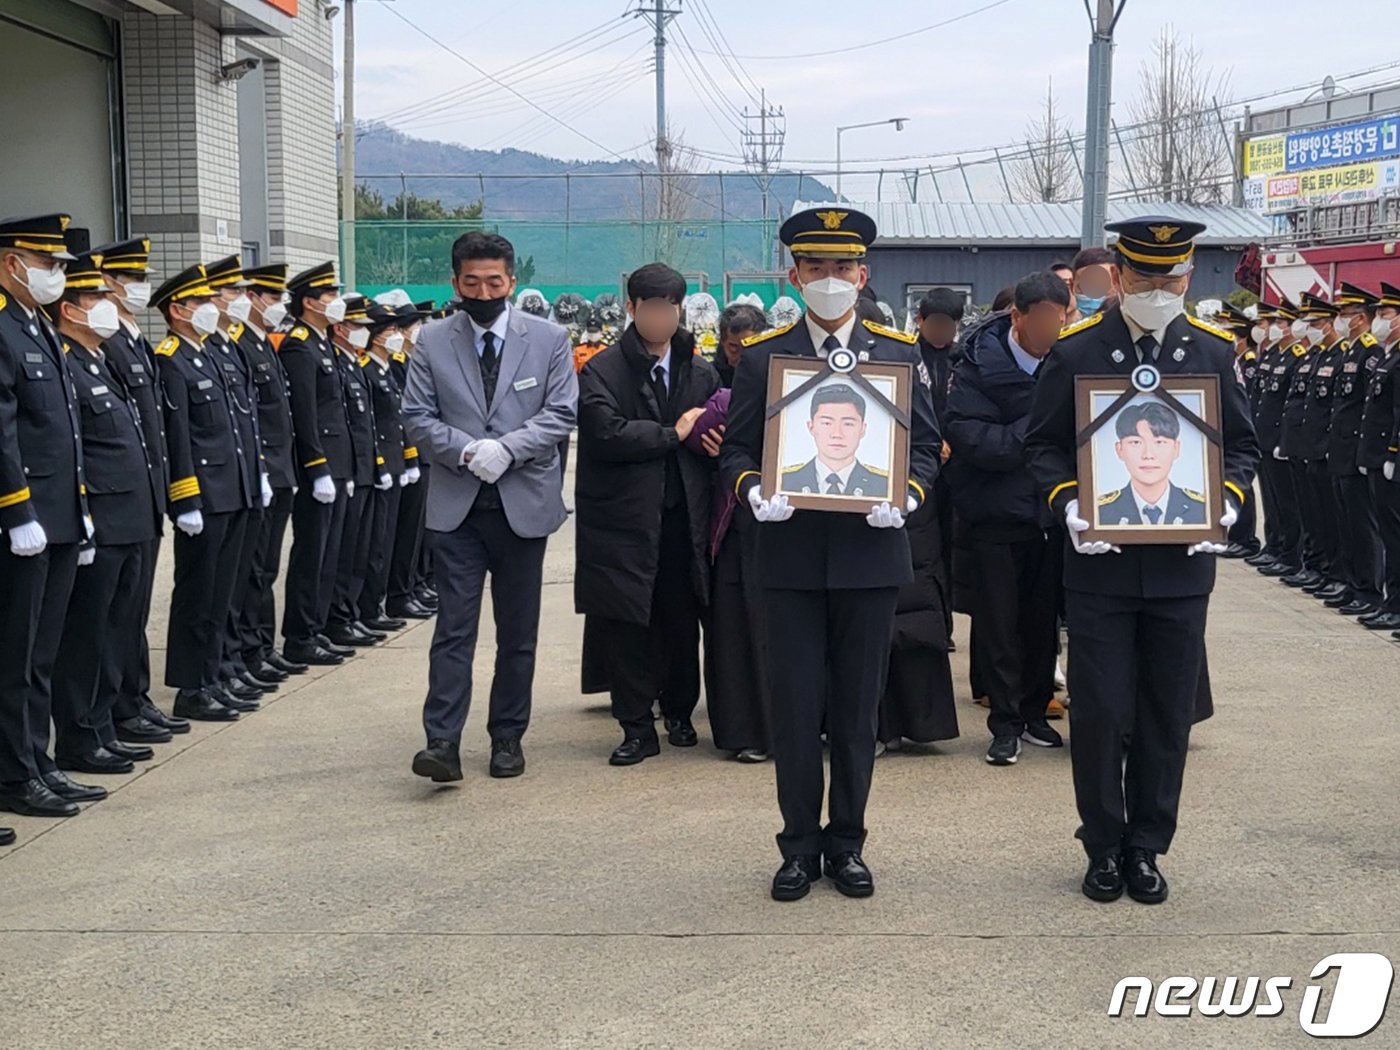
<point x="623" y="442"/>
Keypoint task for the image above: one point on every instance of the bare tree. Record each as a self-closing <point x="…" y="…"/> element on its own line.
<point x="1179" y="150"/>
<point x="1045" y="172"/>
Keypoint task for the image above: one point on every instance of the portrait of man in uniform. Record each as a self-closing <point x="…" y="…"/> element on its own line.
<point x="1149" y="446"/>
<point x="837" y="425"/>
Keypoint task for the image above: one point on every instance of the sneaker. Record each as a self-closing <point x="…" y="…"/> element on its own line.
<point x="1041" y="735"/>
<point x="1056" y="708"/>
<point x="1060" y="684"/>
<point x="1005" y="750"/>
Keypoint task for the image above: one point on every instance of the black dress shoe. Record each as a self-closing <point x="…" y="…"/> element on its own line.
<point x="267" y="673"/>
<point x="287" y="665"/>
<point x="1382" y="621"/>
<point x="364" y="629"/>
<point x="34" y="798"/>
<point x="1279" y="570"/>
<point x="410" y="610"/>
<point x="98" y="761"/>
<point x="426" y="595"/>
<point x="1325" y="590"/>
<point x="1103" y="882"/>
<point x="1145" y="883"/>
<point x="7" y="836"/>
<point x="344" y="634"/>
<point x="231" y="701"/>
<point x="794" y="879"/>
<point x="312" y="655"/>
<point x="507" y="759"/>
<point x="850" y="875"/>
<point x="151" y="713"/>
<point x="1238" y="550"/>
<point x="1303" y="578"/>
<point x="198" y="706"/>
<point x="385" y="623"/>
<point x="262" y="685"/>
<point x="134" y="752"/>
<point x="239" y="690"/>
<point x="1336" y="599"/>
<point x="634" y="749"/>
<point x="142" y="731"/>
<point x="439" y="762"/>
<point x="70" y="790"/>
<point x="1357" y="607"/>
<point x="345" y="651"/>
<point x="1260" y="559"/>
<point x="681" y="733"/>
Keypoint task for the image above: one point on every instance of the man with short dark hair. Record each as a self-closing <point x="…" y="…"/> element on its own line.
<point x="642" y="577"/>
<point x="1092" y="283"/>
<point x="1007" y="532"/>
<point x="490" y="395"/>
<point x="1149" y="444"/>
<point x="737" y="322"/>
<point x="837" y="426"/>
<point x="941" y="312"/>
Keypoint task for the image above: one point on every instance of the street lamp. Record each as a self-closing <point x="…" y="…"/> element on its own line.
<point x="898" y="123"/>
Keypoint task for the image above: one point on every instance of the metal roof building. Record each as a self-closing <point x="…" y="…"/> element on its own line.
<point x="982" y="248"/>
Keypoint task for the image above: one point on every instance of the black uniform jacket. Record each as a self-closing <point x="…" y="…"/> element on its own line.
<point x="321" y="428"/>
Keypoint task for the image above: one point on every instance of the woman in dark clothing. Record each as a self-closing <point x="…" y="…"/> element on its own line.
<point x="735" y="690"/>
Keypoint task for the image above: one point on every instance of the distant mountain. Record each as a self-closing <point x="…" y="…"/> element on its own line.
<point x="595" y="190"/>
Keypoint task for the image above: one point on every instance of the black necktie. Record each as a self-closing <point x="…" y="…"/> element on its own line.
<point x="490" y="365"/>
<point x="1154" y="514"/>
<point x="833" y="484"/>
<point x="831" y="343"/>
<point x="1148" y="347"/>
<point x="658" y="387"/>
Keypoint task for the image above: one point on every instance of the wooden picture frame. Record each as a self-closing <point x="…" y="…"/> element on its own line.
<point x="1126" y="450"/>
<point x="862" y="427"/>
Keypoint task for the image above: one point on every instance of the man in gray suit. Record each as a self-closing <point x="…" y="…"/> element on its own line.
<point x="491" y="393"/>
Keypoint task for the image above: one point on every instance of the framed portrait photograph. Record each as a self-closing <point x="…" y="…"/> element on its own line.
<point x="837" y="440"/>
<point x="1150" y="458"/>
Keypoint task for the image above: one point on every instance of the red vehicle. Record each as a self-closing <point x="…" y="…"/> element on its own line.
<point x="1318" y="269"/>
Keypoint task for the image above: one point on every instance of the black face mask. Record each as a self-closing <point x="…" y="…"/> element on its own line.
<point x="484" y="311"/>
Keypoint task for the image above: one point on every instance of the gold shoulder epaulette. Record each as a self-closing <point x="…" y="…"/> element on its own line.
<point x="66" y="347"/>
<point x="1080" y="326"/>
<point x="235" y="331"/>
<point x="1250" y="355"/>
<point x="399" y="356"/>
<point x="771" y="333"/>
<point x="1193" y="494"/>
<point x="1205" y="326"/>
<point x="1299" y="349"/>
<point x="300" y="332"/>
<point x="1367" y="339"/>
<point x="1109" y="497"/>
<point x="3" y="301"/>
<point x="877" y="471"/>
<point x="794" y="469"/>
<point x="892" y="333"/>
<point x="364" y="360"/>
<point x="168" y="346"/>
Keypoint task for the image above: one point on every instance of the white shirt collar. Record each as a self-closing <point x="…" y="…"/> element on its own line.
<point x="256" y="330"/>
<point x="498" y="329"/>
<point x="819" y="334"/>
<point x="1137" y="331"/>
<point x="131" y="327"/>
<point x="1027" y="362"/>
<point x="1142" y="504"/>
<point x="824" y="473"/>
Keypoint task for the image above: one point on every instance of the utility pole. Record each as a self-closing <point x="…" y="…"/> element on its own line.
<point x="763" y="149"/>
<point x="1096" y="121"/>
<point x="347" y="153"/>
<point x="660" y="16"/>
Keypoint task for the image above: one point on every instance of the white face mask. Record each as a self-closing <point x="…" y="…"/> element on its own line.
<point x="830" y="298"/>
<point x="393" y="342"/>
<point x="1258" y="333"/>
<point x="1276" y="332"/>
<point x="205" y="318"/>
<point x="45" y="285"/>
<point x="1153" y="310"/>
<point x="411" y="336"/>
<point x="1381" y="327"/>
<point x="1313" y="335"/>
<point x="1342" y="327"/>
<point x="137" y="295"/>
<point x="1300" y="329"/>
<point x="274" y="315"/>
<point x="240" y="309"/>
<point x="358" y="338"/>
<point x="335" y="310"/>
<point x="103" y="319"/>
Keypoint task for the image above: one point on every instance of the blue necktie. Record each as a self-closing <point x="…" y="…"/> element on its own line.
<point x="1154" y="514"/>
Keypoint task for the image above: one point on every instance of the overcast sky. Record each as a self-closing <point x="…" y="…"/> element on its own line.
<point x="972" y="83"/>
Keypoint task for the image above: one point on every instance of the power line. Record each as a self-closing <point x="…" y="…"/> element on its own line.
<point x="715" y="35"/>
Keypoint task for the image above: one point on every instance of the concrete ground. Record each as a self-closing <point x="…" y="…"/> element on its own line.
<point x="285" y="882"/>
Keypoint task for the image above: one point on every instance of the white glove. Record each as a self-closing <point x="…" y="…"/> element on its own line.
<point x="883" y="516"/>
<point x="1076" y="525"/>
<point x="266" y="491"/>
<point x="1363" y="470"/>
<point x="490" y="459"/>
<point x="1206" y="548"/>
<point x="1278" y="455"/>
<point x="1230" y="516"/>
<point x="1389" y="472"/>
<point x="86" y="556"/>
<point x="323" y="490"/>
<point x="349" y="490"/>
<point x="411" y="476"/>
<point x="191" y="523"/>
<point x="386" y="481"/>
<point x="88" y="526"/>
<point x="28" y="539"/>
<point x="775" y="509"/>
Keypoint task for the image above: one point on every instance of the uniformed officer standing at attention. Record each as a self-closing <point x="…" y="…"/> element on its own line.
<point x="43" y="512"/>
<point x="830" y="580"/>
<point x="213" y="483"/>
<point x="1380" y="449"/>
<point x="1138" y="614"/>
<point x="324" y="464"/>
<point x="401" y="600"/>
<point x="126" y="499"/>
<point x="1356" y="515"/>
<point x="386" y="343"/>
<point x="256" y="607"/>
<point x="1312" y="547"/>
<point x="126" y="269"/>
<point x="1281" y="555"/>
<point x="225" y="347"/>
<point x="351" y="339"/>
<point x="1311" y="438"/>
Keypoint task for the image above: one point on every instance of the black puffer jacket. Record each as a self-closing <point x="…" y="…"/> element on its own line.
<point x="985" y="422"/>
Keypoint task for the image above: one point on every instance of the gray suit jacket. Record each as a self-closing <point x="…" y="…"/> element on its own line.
<point x="535" y="408"/>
